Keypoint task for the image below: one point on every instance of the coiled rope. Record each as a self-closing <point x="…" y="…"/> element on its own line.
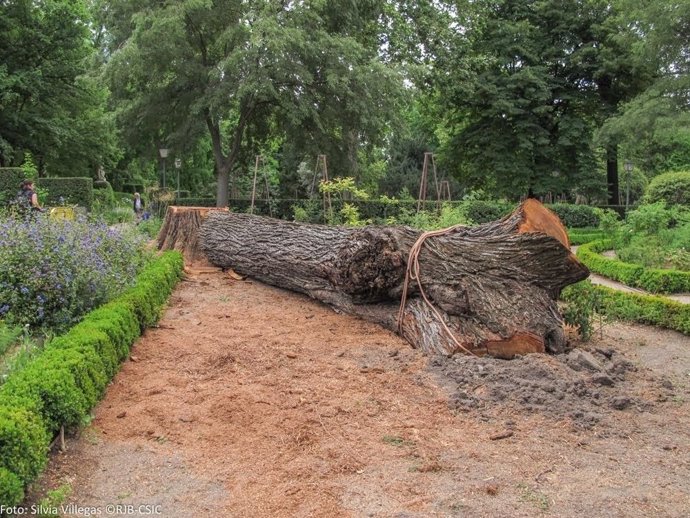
<point x="412" y="273"/>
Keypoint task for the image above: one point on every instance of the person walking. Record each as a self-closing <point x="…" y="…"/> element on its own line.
<point x="138" y="206"/>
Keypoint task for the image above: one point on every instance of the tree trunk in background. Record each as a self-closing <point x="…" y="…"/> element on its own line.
<point x="495" y="285"/>
<point x="612" y="174"/>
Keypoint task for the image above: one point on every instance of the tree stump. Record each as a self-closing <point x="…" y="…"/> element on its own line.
<point x="486" y="290"/>
<point x="180" y="231"/>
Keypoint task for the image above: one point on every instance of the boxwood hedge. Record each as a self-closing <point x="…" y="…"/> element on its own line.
<point x="581" y="236"/>
<point x="633" y="307"/>
<point x="10" y="178"/>
<point x="635" y="275"/>
<point x="61" y="385"/>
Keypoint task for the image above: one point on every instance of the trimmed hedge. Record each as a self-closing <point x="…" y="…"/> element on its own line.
<point x="10" y="178"/>
<point x="635" y="275"/>
<point x="581" y="236"/>
<point x="478" y="211"/>
<point x="73" y="191"/>
<point x="575" y="216"/>
<point x="67" y="379"/>
<point x="633" y="307"/>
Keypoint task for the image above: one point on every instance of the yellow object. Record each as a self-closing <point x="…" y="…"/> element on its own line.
<point x="62" y="213"/>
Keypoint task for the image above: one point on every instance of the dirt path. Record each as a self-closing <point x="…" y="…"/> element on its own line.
<point x="249" y="401"/>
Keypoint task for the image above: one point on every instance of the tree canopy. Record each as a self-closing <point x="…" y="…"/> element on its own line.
<point x="514" y="97"/>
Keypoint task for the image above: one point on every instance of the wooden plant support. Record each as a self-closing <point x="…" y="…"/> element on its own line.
<point x="261" y="163"/>
<point x="424" y="181"/>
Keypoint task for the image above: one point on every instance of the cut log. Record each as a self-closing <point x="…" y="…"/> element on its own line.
<point x="488" y="290"/>
<point x="180" y="231"/>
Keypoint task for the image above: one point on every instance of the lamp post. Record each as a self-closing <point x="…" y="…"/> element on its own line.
<point x="178" y="165"/>
<point x="628" y="170"/>
<point x="164" y="154"/>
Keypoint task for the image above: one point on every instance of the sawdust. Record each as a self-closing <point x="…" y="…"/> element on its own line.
<point x="252" y="401"/>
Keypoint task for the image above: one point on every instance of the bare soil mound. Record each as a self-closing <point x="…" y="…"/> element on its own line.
<point x="581" y="386"/>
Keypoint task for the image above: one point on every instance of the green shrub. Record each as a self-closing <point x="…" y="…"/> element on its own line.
<point x="23" y="443"/>
<point x="635" y="275"/>
<point x="631" y="307"/>
<point x="575" y="216"/>
<point x="609" y="222"/>
<point x="103" y="198"/>
<point x="68" y="191"/>
<point x="650" y="219"/>
<point x="671" y="188"/>
<point x="49" y="389"/>
<point x="61" y="385"/>
<point x="647" y="251"/>
<point x="10" y="178"/>
<point x="582" y="304"/>
<point x="153" y="286"/>
<point x="479" y="211"/>
<point x="11" y="488"/>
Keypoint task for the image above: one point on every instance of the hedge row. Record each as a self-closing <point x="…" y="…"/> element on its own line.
<point x="70" y="191"/>
<point x="581" y="236"/>
<point x="635" y="275"/>
<point x="10" y="178"/>
<point x="633" y="307"/>
<point x="73" y="191"/>
<point x="575" y="216"/>
<point x="65" y="381"/>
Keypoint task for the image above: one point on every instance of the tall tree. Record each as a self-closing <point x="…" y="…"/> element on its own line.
<point x="232" y="65"/>
<point x="654" y="124"/>
<point x="48" y="106"/>
<point x="526" y="89"/>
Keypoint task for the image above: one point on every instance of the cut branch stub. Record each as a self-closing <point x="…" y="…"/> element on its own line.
<point x="495" y="285"/>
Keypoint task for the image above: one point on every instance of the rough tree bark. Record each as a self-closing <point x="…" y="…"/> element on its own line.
<point x="180" y="231"/>
<point x="494" y="285"/>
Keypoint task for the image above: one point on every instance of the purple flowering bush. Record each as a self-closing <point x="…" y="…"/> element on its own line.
<point x="54" y="271"/>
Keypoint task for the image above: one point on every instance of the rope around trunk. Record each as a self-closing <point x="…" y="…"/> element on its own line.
<point x="412" y="273"/>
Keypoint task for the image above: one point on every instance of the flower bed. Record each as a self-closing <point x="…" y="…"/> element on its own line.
<point x="54" y="271"/>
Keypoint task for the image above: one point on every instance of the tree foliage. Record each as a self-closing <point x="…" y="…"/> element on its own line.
<point x="49" y="106"/>
<point x="513" y="97"/>
<point x="243" y="69"/>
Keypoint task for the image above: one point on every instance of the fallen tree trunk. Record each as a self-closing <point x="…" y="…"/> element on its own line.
<point x="491" y="289"/>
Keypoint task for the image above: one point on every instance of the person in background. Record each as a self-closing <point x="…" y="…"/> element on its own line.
<point x="138" y="206"/>
<point x="27" y="197"/>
